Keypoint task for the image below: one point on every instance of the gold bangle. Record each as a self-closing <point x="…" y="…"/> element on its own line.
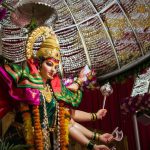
<point x="97" y="136"/>
<point x="79" y="82"/>
<point x="93" y="116"/>
<point x="94" y="136"/>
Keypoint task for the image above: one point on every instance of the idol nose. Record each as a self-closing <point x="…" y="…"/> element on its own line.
<point x="53" y="69"/>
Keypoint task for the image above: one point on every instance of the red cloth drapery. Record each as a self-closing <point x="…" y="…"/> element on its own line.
<point x="92" y="101"/>
<point x="144" y="132"/>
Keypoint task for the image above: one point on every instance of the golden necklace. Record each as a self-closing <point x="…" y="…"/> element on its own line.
<point x="47" y="93"/>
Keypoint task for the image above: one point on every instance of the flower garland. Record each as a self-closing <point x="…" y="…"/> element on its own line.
<point x="24" y="109"/>
<point x="90" y="81"/>
<point x="64" y="119"/>
<point x="37" y="129"/>
<point x="130" y="105"/>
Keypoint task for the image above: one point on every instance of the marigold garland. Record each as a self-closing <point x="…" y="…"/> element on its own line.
<point x="64" y="119"/>
<point x="37" y="129"/>
<point x="24" y="109"/>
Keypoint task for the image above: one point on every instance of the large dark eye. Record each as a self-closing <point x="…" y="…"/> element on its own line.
<point x="56" y="67"/>
<point x="49" y="63"/>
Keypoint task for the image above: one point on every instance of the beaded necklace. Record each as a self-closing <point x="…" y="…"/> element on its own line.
<point x="47" y="95"/>
<point x="45" y="131"/>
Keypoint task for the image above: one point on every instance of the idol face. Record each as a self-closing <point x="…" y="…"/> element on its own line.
<point x="49" y="68"/>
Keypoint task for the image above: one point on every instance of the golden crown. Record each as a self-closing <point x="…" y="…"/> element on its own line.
<point x="50" y="46"/>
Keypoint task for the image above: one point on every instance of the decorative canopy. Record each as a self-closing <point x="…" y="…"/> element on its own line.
<point x="27" y="10"/>
<point x="110" y="35"/>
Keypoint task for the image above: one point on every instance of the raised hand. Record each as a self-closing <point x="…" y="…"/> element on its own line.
<point x="101" y="113"/>
<point x="106" y="137"/>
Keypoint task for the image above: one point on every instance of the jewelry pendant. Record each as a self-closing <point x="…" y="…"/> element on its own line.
<point x="47" y="93"/>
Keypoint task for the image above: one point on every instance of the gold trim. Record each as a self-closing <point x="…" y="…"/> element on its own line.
<point x="40" y="31"/>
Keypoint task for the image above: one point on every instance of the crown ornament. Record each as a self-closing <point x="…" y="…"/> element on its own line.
<point x="50" y="46"/>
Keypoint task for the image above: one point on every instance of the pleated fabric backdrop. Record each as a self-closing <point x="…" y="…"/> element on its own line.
<point x="92" y="101"/>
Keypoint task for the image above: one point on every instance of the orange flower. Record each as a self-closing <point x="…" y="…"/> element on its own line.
<point x="37" y="129"/>
<point x="64" y="119"/>
<point x="24" y="108"/>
